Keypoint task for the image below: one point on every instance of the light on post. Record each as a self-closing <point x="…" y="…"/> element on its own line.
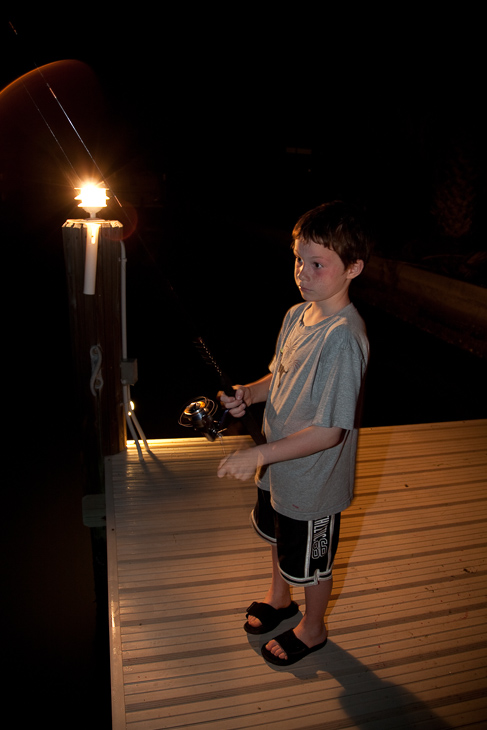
<point x="93" y="199"/>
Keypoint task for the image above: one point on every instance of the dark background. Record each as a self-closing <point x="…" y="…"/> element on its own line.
<point x="215" y="131"/>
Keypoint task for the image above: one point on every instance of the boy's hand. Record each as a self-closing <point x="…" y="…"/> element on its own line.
<point x="236" y="403"/>
<point x="241" y="464"/>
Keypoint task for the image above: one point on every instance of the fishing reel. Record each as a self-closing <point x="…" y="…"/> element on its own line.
<point x="199" y="414"/>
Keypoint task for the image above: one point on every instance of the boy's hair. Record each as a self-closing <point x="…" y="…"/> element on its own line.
<point x="338" y="226"/>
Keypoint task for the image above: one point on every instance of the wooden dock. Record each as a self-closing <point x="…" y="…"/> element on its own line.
<point x="407" y="620"/>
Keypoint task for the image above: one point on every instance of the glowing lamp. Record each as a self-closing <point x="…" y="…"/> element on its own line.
<point x="93" y="199"/>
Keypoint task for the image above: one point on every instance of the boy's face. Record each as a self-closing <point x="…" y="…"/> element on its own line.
<point x="321" y="276"/>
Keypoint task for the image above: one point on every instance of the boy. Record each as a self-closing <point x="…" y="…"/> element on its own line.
<point x="306" y="468"/>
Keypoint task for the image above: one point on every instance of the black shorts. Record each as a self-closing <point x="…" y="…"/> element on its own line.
<point x="305" y="548"/>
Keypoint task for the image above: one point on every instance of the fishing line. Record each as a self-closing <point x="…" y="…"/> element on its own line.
<point x="38" y="69"/>
<point x="252" y="427"/>
<point x="85" y="147"/>
<point x="49" y="128"/>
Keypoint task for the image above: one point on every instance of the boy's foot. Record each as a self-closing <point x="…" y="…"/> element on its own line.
<point x="293" y="645"/>
<point x="262" y="617"/>
<point x="288" y="648"/>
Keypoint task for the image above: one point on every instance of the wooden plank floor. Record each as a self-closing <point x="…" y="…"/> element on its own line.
<point x="407" y="619"/>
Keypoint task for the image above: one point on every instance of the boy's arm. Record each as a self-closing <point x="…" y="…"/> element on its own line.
<point x="245" y="395"/>
<point x="243" y="464"/>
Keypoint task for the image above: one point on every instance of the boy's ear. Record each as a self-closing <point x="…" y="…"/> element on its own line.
<point x="355" y="269"/>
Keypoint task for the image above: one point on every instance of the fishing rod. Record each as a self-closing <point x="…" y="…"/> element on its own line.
<point x="200" y="413"/>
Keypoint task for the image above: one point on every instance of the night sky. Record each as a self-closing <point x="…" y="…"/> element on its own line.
<point x="206" y="104"/>
<point x="194" y="120"/>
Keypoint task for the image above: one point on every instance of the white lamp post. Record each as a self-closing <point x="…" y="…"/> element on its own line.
<point x="99" y="323"/>
<point x="93" y="199"/>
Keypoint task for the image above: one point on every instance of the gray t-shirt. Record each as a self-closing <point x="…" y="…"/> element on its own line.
<point x="317" y="377"/>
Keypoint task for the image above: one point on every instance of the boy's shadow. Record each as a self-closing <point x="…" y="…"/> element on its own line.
<point x="365" y="698"/>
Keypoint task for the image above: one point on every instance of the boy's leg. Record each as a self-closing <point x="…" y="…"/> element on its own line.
<point x="317" y="541"/>
<point x="311" y="629"/>
<point x="279" y="593"/>
<point x="295" y="535"/>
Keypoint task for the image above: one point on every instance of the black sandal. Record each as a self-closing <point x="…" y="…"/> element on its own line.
<point x="269" y="616"/>
<point x="294" y="648"/>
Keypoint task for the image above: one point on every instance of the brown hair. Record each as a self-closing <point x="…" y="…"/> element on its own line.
<point x="338" y="226"/>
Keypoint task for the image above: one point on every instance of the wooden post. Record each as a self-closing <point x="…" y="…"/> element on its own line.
<point x="95" y="322"/>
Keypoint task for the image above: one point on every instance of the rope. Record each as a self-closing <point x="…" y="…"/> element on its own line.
<point x="96" y="380"/>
